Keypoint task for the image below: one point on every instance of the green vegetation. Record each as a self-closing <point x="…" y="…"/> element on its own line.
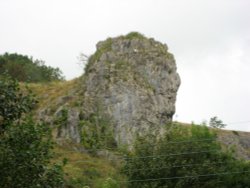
<point x="25" y="147"/>
<point x="14" y="102"/>
<point x="25" y="153"/>
<point x="106" y="46"/>
<point x="83" y="169"/>
<point x="61" y="121"/>
<point x="214" y="122"/>
<point x="134" y="35"/>
<point x="25" y="69"/>
<point x="48" y="94"/>
<point x="184" y="157"/>
<point x="96" y="132"/>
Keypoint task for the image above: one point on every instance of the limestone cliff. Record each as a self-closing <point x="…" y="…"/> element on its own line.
<point x="129" y="87"/>
<point x="132" y="81"/>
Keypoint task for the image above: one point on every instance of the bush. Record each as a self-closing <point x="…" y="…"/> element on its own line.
<point x="14" y="102"/>
<point x="25" y="153"/>
<point x="184" y="157"/>
<point x="25" y="147"/>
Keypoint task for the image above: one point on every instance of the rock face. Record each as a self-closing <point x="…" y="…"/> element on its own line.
<point x="131" y="81"/>
<point x="69" y="129"/>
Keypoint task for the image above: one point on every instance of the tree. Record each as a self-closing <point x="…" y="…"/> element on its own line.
<point x="184" y="157"/>
<point x="82" y="60"/>
<point x="25" y="147"/>
<point x="25" y="153"/>
<point x="25" y="69"/>
<point x="14" y="102"/>
<point x="216" y="123"/>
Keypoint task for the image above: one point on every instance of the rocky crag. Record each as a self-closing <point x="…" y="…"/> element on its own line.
<point x="129" y="87"/>
<point x="133" y="81"/>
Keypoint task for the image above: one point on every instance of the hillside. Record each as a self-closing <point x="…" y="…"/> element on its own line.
<point x="68" y="93"/>
<point x="103" y="167"/>
<point x="128" y="90"/>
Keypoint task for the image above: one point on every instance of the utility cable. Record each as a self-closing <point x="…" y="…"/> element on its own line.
<point x="175" y="166"/>
<point x="185" y="177"/>
<point x="169" y="155"/>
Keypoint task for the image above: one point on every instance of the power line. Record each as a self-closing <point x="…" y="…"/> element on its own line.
<point x="188" y="141"/>
<point x="175" y="166"/>
<point x="179" y="142"/>
<point x="178" y="177"/>
<point x="202" y="182"/>
<point x="168" y="155"/>
<point x="239" y="122"/>
<point x="185" y="177"/>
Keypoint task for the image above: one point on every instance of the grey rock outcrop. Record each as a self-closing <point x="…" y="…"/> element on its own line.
<point x="69" y="129"/>
<point x="132" y="80"/>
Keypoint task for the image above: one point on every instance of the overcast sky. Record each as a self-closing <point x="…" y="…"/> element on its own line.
<point x="209" y="38"/>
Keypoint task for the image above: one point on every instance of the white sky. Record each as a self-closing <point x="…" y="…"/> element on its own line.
<point x="209" y="38"/>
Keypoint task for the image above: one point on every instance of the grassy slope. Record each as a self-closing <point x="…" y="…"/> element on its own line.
<point x="83" y="169"/>
<point x="48" y="93"/>
<point x="97" y="171"/>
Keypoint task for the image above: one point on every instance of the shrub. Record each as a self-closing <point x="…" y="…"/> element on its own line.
<point x="25" y="147"/>
<point x="25" y="153"/>
<point x="184" y="157"/>
<point x="14" y="102"/>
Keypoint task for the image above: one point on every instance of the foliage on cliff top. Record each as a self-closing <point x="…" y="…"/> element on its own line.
<point x="106" y="46"/>
<point x="134" y="35"/>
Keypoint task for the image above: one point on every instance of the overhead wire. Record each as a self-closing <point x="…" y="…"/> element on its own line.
<point x="185" y="177"/>
<point x="168" y="155"/>
<point x="177" y="177"/>
<point x="174" y="166"/>
<point x="238" y="122"/>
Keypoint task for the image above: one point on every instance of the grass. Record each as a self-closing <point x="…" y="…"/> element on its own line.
<point x="49" y="93"/>
<point x="83" y="169"/>
<point x="134" y="35"/>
